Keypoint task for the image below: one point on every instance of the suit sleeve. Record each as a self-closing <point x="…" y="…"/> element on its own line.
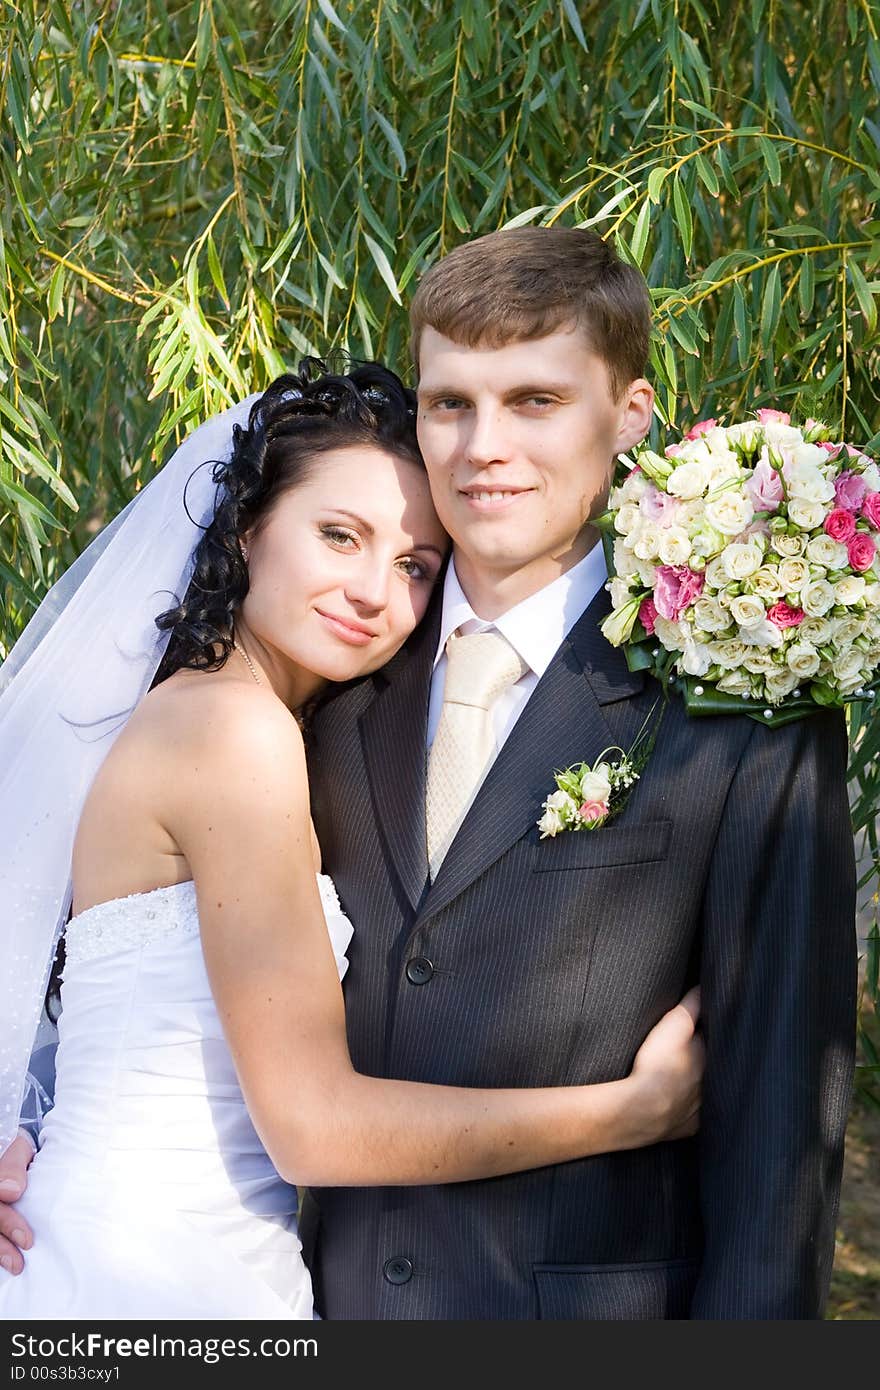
<point x="778" y="978"/>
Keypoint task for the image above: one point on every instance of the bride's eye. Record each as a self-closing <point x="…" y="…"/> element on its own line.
<point x="337" y="535"/>
<point x="413" y="569"/>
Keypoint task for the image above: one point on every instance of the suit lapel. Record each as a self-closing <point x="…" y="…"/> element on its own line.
<point x="561" y="724"/>
<point x="393" y="735"/>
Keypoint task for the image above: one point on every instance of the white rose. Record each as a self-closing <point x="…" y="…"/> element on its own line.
<point x="709" y="615"/>
<point x="722" y="469"/>
<point x="760" y="661"/>
<point x="763" y="634"/>
<point x="779" y="684"/>
<point x="848" y="668"/>
<point x="808" y="485"/>
<point x="633" y="487"/>
<point x="627" y="518"/>
<point x="669" y="633"/>
<point x="809" y="456"/>
<point x="619" y="590"/>
<point x="550" y="824"/>
<point x="690" y="515"/>
<point x="695" y="450"/>
<point x="716" y="573"/>
<point x="823" y="550"/>
<point x="596" y="785"/>
<point x="736" y="683"/>
<point x="707" y="541"/>
<point x="817" y="598"/>
<point x="849" y="589"/>
<point x="793" y="575"/>
<point x="727" y="655"/>
<point x="815" y="630"/>
<point x="625" y="563"/>
<point x="779" y="436"/>
<point x="787" y="545"/>
<point x="730" y="512"/>
<point x="846" y="630"/>
<point x="802" y="660"/>
<point x="645" y="541"/>
<point x="561" y="802"/>
<point x="675" y="546"/>
<point x="741" y="560"/>
<point x="696" y="659"/>
<point x="747" y="610"/>
<point x="767" y="584"/>
<point x="687" y="480"/>
<point x="807" y="515"/>
<point x="647" y="573"/>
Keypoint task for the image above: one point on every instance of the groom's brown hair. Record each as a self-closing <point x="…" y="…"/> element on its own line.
<point x="525" y="282"/>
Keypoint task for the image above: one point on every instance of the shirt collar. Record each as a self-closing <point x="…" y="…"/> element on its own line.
<point x="536" y="626"/>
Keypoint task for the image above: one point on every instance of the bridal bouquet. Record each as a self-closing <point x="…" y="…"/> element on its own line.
<point x="744" y="567"/>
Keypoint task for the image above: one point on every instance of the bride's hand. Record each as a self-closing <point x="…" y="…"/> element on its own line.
<point x="668" y="1069"/>
<point x="15" y="1234"/>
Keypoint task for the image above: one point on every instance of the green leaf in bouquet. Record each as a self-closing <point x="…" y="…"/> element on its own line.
<point x="701" y="699"/>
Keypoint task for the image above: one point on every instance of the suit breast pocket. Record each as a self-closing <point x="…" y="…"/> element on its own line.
<point x="655" y="1291"/>
<point x="611" y="844"/>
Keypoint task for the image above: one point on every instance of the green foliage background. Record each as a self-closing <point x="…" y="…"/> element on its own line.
<point x="195" y="193"/>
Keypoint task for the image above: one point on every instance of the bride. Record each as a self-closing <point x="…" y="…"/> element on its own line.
<point x="158" y="775"/>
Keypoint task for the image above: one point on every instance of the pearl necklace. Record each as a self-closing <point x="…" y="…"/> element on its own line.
<point x="251" y="667"/>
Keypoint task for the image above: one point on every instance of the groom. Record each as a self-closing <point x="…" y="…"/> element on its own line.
<point x="486" y="956"/>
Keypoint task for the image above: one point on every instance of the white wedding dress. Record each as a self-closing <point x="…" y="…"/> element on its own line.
<point x="152" y="1196"/>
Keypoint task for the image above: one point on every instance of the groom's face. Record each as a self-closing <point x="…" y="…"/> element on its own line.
<point x="519" y="443"/>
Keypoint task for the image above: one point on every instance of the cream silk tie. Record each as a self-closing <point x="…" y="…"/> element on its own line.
<point x="479" y="667"/>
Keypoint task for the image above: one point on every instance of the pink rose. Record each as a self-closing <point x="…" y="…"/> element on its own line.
<point x="862" y="552"/>
<point x="764" y="487"/>
<point x="784" y="616"/>
<point x="672" y="451"/>
<point x="675" y="587"/>
<point x="701" y="427"/>
<point x="647" y="614"/>
<point x="773" y="417"/>
<point x="659" y="506"/>
<point x="593" y="810"/>
<point x="840" y="525"/>
<point x="849" y="490"/>
<point x="828" y="446"/>
<point x="871" y="508"/>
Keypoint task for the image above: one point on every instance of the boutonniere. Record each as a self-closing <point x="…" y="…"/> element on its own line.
<point x="586" y="797"/>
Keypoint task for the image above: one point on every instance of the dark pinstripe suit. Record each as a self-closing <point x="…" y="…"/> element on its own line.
<point x="732" y="861"/>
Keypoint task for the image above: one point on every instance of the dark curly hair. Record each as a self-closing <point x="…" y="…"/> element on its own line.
<point x="298" y="417"/>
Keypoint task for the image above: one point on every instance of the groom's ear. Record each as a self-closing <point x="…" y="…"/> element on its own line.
<point x="636" y="408"/>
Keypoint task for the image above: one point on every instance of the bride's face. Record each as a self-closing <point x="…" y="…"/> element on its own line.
<point x="341" y="569"/>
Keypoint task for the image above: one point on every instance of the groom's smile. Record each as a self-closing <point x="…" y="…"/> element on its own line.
<point x="519" y="440"/>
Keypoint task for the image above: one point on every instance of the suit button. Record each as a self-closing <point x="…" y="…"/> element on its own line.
<point x="419" y="970"/>
<point x="398" y="1270"/>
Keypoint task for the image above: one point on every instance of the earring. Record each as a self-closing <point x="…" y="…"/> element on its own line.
<point x="244" y="552"/>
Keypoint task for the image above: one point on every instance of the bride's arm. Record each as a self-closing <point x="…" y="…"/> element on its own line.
<point x="240" y="815"/>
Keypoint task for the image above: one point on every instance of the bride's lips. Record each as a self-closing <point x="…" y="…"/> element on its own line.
<point x="355" y="633"/>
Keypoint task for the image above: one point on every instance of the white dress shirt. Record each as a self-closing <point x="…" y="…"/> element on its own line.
<point x="534" y="628"/>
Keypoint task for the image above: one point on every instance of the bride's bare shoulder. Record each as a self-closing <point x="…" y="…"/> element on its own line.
<point x="211" y="715"/>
